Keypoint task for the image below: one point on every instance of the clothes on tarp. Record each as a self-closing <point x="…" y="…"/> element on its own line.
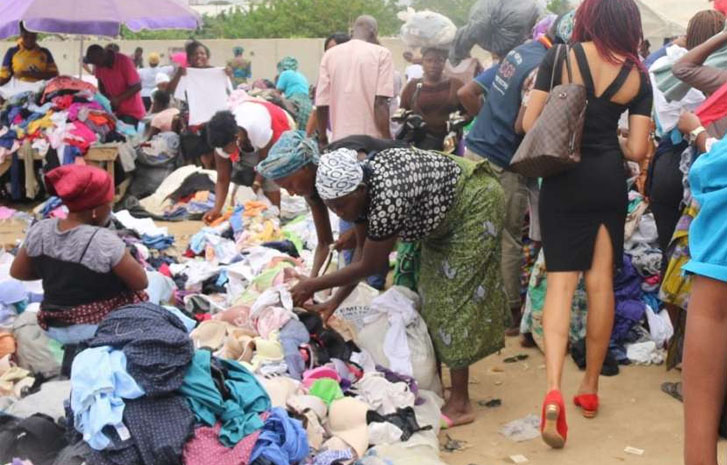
<point x="292" y="335"/>
<point x="36" y="352"/>
<point x="159" y="427"/>
<point x="100" y="384"/>
<point x="37" y="438"/>
<point x="404" y="418"/>
<point x="283" y="440"/>
<point x="48" y="400"/>
<point x="155" y="342"/>
<point x="205" y="448"/>
<point x="238" y="409"/>
<point x="578" y="353"/>
<point x="630" y="308"/>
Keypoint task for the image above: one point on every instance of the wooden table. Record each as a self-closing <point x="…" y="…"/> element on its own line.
<point x="102" y="156"/>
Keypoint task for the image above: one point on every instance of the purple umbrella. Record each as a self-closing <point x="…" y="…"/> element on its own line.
<point x="94" y="17"/>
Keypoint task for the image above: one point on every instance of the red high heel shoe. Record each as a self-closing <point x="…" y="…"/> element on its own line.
<point x="553" y="426"/>
<point x="588" y="403"/>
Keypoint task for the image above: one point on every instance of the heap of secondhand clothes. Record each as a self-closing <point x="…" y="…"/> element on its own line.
<point x="219" y="367"/>
<point x="58" y="123"/>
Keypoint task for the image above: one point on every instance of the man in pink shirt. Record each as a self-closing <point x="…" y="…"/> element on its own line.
<point x="119" y="81"/>
<point x="355" y="84"/>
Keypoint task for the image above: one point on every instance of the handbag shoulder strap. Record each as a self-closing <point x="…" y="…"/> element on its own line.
<point x="568" y="65"/>
<point x="556" y="67"/>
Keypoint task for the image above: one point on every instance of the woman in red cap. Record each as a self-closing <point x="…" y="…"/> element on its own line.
<point x="86" y="270"/>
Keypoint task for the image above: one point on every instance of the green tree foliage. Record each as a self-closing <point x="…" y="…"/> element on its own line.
<point x="287" y="19"/>
<point x="559" y="7"/>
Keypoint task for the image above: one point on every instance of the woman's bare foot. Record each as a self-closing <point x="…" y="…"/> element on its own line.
<point x="458" y="413"/>
<point x="458" y="409"/>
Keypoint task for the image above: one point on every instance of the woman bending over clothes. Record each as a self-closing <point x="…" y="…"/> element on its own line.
<point x="296" y="89"/>
<point x="86" y="270"/>
<point x="583" y="210"/>
<point x="293" y="164"/>
<point x="456" y="208"/>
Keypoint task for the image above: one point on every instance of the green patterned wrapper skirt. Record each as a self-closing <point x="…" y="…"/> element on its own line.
<point x="463" y="297"/>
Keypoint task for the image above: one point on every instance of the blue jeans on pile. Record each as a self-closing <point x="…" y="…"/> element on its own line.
<point x="377" y="281"/>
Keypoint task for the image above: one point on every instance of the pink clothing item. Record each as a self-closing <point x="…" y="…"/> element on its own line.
<point x="180" y="58"/>
<point x="164" y="119"/>
<point x="80" y="135"/>
<point x="75" y="108"/>
<point x="271" y="319"/>
<point x="205" y="448"/>
<point x="311" y="376"/>
<point x="116" y="80"/>
<point x="6" y="213"/>
<point x="67" y="83"/>
<point x="237" y="316"/>
<point x="351" y="76"/>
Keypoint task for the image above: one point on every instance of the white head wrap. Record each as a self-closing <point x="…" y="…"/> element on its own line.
<point x="339" y="174"/>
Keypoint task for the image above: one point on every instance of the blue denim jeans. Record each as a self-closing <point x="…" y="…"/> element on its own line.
<point x="377" y="281"/>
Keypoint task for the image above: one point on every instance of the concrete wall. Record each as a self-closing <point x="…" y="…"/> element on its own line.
<point x="264" y="53"/>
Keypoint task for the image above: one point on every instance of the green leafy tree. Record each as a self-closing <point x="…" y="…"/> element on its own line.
<point x="559" y="6"/>
<point x="287" y="19"/>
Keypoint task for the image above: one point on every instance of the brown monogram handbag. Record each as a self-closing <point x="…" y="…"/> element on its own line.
<point x="553" y="145"/>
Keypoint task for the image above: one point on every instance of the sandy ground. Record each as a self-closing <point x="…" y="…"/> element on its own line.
<point x="634" y="410"/>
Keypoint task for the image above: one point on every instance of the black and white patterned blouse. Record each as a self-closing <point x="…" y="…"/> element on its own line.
<point x="410" y="192"/>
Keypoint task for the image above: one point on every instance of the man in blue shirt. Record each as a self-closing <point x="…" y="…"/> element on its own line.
<point x="494" y="137"/>
<point x="473" y="94"/>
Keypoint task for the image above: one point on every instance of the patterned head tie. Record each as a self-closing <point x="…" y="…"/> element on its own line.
<point x="290" y="153"/>
<point x="339" y="174"/>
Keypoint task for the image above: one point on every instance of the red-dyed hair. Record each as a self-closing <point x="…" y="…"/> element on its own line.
<point x="614" y="27"/>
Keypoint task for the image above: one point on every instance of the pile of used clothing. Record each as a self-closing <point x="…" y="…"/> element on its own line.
<point x="58" y="124"/>
<point x="642" y="327"/>
<point x="219" y="366"/>
<point x="185" y="193"/>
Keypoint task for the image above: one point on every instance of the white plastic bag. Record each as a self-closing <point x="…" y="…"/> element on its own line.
<point x="660" y="326"/>
<point x="423" y="358"/>
<point x="357" y="305"/>
<point x="426" y="29"/>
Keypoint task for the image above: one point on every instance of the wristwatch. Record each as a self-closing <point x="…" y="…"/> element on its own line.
<point x="695" y="134"/>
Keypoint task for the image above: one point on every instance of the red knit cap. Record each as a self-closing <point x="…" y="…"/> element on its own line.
<point x="80" y="187"/>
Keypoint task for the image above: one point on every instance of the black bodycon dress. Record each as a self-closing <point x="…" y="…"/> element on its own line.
<point x="574" y="204"/>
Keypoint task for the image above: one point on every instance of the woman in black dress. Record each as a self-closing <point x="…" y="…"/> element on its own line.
<point x="583" y="211"/>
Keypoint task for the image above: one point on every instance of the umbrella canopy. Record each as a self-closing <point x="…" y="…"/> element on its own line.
<point x="94" y="17"/>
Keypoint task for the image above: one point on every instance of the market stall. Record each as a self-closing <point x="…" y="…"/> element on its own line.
<point x="67" y="115"/>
